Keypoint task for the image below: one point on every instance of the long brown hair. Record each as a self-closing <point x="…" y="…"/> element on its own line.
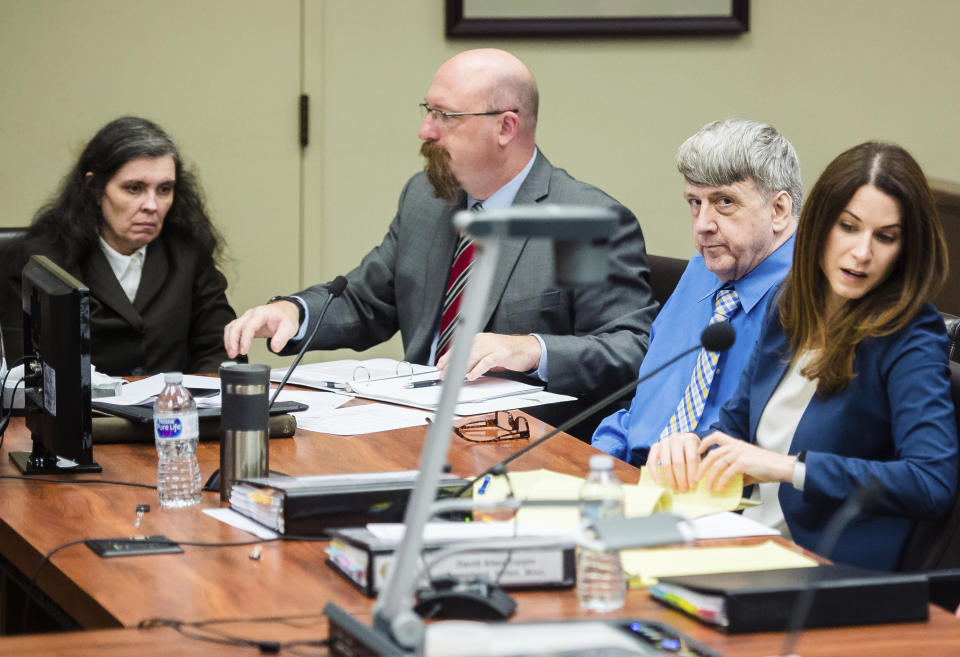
<point x="918" y="274"/>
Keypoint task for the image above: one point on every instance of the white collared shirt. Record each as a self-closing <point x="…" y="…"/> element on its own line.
<point x="127" y="268"/>
<point x="775" y="430"/>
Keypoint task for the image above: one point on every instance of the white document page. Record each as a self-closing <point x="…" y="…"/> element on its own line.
<point x="337" y="374"/>
<point x="320" y="402"/>
<point x="368" y="418"/>
<point x="240" y="521"/>
<point x="728" y="524"/>
<point x="138" y="392"/>
<point x="524" y="400"/>
<point x="405" y="392"/>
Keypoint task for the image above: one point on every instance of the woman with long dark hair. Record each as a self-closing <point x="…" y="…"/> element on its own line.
<point x="849" y="380"/>
<point x="129" y="222"/>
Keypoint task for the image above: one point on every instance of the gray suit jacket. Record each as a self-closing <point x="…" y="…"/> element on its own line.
<point x="595" y="338"/>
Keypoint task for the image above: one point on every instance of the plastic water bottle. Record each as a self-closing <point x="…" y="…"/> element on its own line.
<point x="601" y="585"/>
<point x="175" y="429"/>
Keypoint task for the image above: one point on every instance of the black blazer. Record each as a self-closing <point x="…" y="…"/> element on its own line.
<point x="175" y="323"/>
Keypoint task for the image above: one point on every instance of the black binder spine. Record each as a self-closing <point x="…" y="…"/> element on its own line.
<point x="835" y="604"/>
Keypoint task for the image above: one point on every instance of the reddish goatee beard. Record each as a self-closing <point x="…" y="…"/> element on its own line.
<point x="437" y="168"/>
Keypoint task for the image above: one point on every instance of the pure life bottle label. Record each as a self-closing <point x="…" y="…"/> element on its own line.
<point x="184" y="426"/>
<point x="168" y="427"/>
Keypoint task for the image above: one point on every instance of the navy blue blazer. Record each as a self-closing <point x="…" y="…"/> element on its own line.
<point x="895" y="421"/>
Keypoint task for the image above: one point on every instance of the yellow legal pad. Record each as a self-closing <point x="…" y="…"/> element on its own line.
<point x="643" y="567"/>
<point x="641" y="499"/>
<point x="647" y="497"/>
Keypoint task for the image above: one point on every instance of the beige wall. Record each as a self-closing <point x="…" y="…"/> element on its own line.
<point x="223" y="75"/>
<point x="828" y="73"/>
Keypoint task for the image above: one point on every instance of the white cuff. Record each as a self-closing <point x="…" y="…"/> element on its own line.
<point x="799" y="475"/>
<point x="306" y="320"/>
<point x="541" y="370"/>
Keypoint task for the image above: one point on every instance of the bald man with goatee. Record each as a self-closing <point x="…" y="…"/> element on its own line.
<point x="479" y="141"/>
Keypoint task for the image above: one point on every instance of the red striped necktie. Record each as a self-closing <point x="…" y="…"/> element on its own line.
<point x="459" y="275"/>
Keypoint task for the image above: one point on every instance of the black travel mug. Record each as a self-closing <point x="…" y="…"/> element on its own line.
<point x="244" y="421"/>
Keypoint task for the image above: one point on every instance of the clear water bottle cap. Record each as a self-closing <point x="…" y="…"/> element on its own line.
<point x="173" y="377"/>
<point x="601" y="462"/>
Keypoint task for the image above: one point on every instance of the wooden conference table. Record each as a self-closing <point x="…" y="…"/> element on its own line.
<point x="290" y="581"/>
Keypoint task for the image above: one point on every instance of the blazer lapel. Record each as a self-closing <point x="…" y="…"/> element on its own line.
<point x="533" y="190"/>
<point x="156" y="268"/>
<point x="773" y="366"/>
<point x="104" y="285"/>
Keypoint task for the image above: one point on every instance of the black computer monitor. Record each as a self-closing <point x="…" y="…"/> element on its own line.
<point x="56" y="341"/>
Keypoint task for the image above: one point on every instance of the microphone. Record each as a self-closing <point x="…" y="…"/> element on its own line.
<point x="335" y="288"/>
<point x="718" y="336"/>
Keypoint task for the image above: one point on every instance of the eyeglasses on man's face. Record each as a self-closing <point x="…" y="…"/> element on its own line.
<point x="441" y="116"/>
<point x="501" y="426"/>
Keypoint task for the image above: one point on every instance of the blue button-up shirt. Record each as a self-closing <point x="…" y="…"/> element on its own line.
<point x="629" y="434"/>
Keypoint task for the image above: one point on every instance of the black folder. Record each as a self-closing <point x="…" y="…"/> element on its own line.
<point x="311" y="505"/>
<point x="762" y="600"/>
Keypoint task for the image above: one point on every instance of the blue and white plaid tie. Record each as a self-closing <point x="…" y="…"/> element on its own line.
<point x="685" y="418"/>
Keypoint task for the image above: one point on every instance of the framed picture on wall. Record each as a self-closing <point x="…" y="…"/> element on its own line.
<point x="556" y="18"/>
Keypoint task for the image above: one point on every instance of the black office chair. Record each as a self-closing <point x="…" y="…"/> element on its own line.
<point x="11" y="338"/>
<point x="953" y="333"/>
<point x="8" y="234"/>
<point x="665" y="272"/>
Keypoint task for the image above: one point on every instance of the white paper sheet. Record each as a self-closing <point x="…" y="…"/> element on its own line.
<point x="230" y="517"/>
<point x="137" y="392"/>
<point x="334" y="374"/>
<point x="320" y="402"/>
<point x="526" y="400"/>
<point x="729" y="525"/>
<point x="368" y="418"/>
<point x="401" y="391"/>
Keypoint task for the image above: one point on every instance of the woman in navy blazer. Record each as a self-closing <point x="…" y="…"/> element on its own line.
<point x="849" y="380"/>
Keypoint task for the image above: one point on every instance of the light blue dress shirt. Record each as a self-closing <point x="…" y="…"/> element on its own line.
<point x="628" y="434"/>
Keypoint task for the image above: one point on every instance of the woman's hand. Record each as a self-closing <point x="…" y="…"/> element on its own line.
<point x="730" y="456"/>
<point x="673" y="461"/>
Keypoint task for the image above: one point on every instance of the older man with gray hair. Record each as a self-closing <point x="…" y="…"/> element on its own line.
<point x="743" y="188"/>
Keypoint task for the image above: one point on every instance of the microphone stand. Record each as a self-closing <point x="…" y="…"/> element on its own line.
<point x="397" y="629"/>
<point x="393" y="611"/>
<point x="861" y="499"/>
<point x="718" y="336"/>
<point x="336" y="288"/>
